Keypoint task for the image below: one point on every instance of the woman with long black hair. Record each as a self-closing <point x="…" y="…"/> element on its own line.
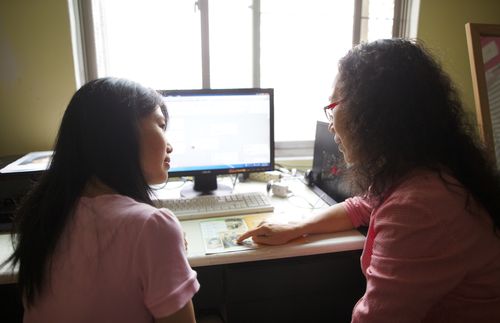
<point x="89" y="244"/>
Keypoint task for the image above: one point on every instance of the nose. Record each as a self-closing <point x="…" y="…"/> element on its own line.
<point x="169" y="148"/>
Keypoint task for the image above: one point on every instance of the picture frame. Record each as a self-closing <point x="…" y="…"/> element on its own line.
<point x="483" y="42"/>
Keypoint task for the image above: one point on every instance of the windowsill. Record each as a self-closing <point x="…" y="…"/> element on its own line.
<point x="294" y="154"/>
<point x="300" y="163"/>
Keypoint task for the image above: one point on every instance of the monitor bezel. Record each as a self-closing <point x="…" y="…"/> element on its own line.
<point x="234" y="91"/>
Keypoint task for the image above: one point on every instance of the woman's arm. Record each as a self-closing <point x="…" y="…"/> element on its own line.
<point x="168" y="282"/>
<point x="184" y="315"/>
<point x="333" y="219"/>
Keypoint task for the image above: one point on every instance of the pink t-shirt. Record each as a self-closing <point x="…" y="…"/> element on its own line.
<point x="427" y="257"/>
<point x="118" y="261"/>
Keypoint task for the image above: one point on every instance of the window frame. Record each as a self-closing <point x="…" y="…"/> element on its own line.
<point x="85" y="55"/>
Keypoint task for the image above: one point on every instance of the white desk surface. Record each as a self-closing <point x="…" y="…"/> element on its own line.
<point x="294" y="208"/>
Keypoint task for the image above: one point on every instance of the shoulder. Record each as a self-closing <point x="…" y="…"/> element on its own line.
<point x="428" y="192"/>
<point x="123" y="212"/>
<point x="421" y="213"/>
<point x="423" y="185"/>
<point x="121" y="204"/>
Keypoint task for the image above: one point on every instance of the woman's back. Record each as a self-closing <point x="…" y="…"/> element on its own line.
<point x="439" y="251"/>
<point x="118" y="261"/>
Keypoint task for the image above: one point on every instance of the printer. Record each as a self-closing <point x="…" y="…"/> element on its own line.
<point x="13" y="188"/>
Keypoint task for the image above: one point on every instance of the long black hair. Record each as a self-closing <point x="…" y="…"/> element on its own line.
<point x="403" y="112"/>
<point x="98" y="138"/>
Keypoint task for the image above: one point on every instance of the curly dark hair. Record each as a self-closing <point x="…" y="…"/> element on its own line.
<point x="403" y="112"/>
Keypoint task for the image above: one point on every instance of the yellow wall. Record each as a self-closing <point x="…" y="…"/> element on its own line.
<point x="37" y="77"/>
<point x="442" y="28"/>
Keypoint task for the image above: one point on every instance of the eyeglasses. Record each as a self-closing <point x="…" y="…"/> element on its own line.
<point x="329" y="110"/>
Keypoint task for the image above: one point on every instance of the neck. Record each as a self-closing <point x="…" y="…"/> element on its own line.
<point x="95" y="187"/>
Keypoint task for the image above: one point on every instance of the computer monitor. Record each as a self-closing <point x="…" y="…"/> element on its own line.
<point x="219" y="131"/>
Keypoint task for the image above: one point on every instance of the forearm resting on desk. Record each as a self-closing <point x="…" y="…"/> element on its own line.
<point x="333" y="219"/>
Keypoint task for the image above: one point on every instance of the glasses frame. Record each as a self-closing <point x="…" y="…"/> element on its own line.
<point x="329" y="110"/>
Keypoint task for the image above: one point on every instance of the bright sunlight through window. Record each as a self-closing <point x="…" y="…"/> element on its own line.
<point x="159" y="43"/>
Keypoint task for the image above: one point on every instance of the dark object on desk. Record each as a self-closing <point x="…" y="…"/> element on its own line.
<point x="328" y="176"/>
<point x="13" y="188"/>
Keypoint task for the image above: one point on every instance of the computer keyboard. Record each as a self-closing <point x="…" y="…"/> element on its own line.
<point x="209" y="206"/>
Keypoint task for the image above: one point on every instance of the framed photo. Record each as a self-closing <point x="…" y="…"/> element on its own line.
<point x="483" y="42"/>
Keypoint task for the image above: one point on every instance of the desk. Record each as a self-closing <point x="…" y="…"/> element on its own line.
<point x="313" y="279"/>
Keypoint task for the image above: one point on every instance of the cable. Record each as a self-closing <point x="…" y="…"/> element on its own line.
<point x="183" y="181"/>
<point x="319" y="199"/>
<point x="234" y="182"/>
<point x="157" y="188"/>
<point x="311" y="205"/>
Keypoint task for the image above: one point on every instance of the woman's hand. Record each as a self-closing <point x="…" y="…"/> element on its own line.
<point x="273" y="233"/>
<point x="330" y="220"/>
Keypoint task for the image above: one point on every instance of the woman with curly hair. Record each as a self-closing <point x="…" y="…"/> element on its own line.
<point x="430" y="193"/>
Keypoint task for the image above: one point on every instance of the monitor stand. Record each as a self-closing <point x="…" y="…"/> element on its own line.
<point x="205" y="185"/>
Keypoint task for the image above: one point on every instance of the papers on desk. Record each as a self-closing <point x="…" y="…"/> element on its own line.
<point x="220" y="234"/>
<point x="32" y="162"/>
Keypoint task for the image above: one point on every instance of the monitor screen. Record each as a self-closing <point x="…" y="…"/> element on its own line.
<point x="219" y="131"/>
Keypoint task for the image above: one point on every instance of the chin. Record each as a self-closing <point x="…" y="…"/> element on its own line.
<point x="158" y="180"/>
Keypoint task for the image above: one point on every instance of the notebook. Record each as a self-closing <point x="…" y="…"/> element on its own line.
<point x="328" y="175"/>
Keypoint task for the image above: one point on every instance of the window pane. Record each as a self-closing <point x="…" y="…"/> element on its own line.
<point x="230" y="43"/>
<point x="154" y="42"/>
<point x="381" y="14"/>
<point x="377" y="19"/>
<point x="301" y="42"/>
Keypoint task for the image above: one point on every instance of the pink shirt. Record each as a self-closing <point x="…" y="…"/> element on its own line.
<point x="118" y="261"/>
<point x="427" y="258"/>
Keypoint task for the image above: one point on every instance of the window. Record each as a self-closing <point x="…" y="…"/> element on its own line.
<point x="377" y="19"/>
<point x="154" y="42"/>
<point x="292" y="46"/>
<point x="300" y="47"/>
